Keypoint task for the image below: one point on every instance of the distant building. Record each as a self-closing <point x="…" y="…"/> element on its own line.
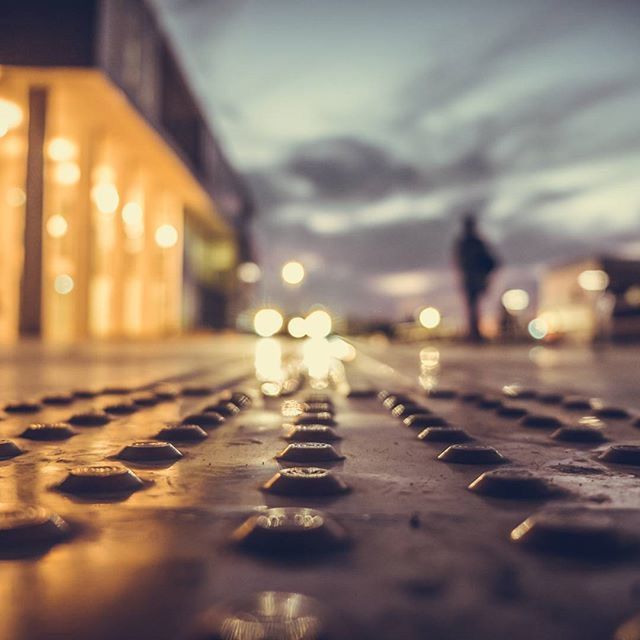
<point x="597" y="298"/>
<point x="120" y="215"/>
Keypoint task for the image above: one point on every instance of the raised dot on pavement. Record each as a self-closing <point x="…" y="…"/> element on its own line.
<point x="121" y="408"/>
<point x="622" y="454"/>
<point x="540" y="421"/>
<point x="516" y="484"/>
<point x="311" y="433"/>
<point x="197" y="390"/>
<point x="90" y="419"/>
<point x="181" y="433"/>
<point x="57" y="399"/>
<point x="409" y="409"/>
<point x="26" y="527"/>
<point x="471" y="454"/>
<point x="506" y="411"/>
<point x="442" y="393"/>
<point x="305" y="481"/>
<point x="579" y="434"/>
<point x="149" y="451"/>
<point x="309" y="452"/>
<point x="226" y="409"/>
<point x="519" y="392"/>
<point x="610" y="412"/>
<point x="48" y="431"/>
<point x="204" y="420"/>
<point x="424" y="420"/>
<point x="577" y="403"/>
<point x="292" y="531"/>
<point x="25" y="406"/>
<point x="285" y="616"/>
<point x="570" y="532"/>
<point x="444" y="434"/>
<point x="101" y="479"/>
<point x="316" y="418"/>
<point x="9" y="449"/>
<point x="550" y="397"/>
<point x="145" y="399"/>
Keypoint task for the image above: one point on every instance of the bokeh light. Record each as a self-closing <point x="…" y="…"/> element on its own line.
<point x="267" y="322"/>
<point x="66" y="173"/>
<point x="105" y="196"/>
<point x="249" y="272"/>
<point x="293" y="273"/>
<point x="593" y="280"/>
<point x="429" y="317"/>
<point x="166" y="236"/>
<point x="57" y="226"/>
<point x="538" y="328"/>
<point x="515" y="300"/>
<point x="318" y="324"/>
<point x="297" y="327"/>
<point x="62" y="149"/>
<point x="63" y="284"/>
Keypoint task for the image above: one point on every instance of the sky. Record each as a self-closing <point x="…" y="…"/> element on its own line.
<point x="367" y="128"/>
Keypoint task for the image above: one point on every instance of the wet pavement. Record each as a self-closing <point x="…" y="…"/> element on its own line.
<point x="230" y="488"/>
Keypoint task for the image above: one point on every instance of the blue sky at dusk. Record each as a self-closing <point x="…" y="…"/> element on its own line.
<point x="366" y="128"/>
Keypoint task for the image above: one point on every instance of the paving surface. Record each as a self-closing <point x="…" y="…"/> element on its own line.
<point x="233" y="540"/>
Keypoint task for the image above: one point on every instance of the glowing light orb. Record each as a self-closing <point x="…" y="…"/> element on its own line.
<point x="267" y="322"/>
<point x="429" y="318"/>
<point x="293" y="273"/>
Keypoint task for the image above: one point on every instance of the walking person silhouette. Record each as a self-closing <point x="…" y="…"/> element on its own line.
<point x="476" y="262"/>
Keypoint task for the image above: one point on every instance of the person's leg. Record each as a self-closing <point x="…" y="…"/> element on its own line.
<point x="473" y="315"/>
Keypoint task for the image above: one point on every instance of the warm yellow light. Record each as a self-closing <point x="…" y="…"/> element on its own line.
<point x="132" y="214"/>
<point x="62" y="149"/>
<point x="267" y="322"/>
<point x="63" y="284"/>
<point x="293" y="273"/>
<point x="10" y="115"/>
<point x="632" y="296"/>
<point x="297" y="327"/>
<point x="429" y="318"/>
<point x="342" y="349"/>
<point x="57" y="226"/>
<point x="593" y="280"/>
<point x="105" y="196"/>
<point x="515" y="300"/>
<point x="318" y="324"/>
<point x="16" y="197"/>
<point x="249" y="272"/>
<point x="268" y="361"/>
<point x="166" y="236"/>
<point x="66" y="173"/>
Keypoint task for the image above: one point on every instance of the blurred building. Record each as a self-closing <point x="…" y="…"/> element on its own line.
<point x="120" y="214"/>
<point x="591" y="299"/>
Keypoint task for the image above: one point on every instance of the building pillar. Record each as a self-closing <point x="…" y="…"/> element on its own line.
<point x="31" y="284"/>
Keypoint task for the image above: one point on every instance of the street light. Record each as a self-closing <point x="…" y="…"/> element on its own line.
<point x="292" y="273"/>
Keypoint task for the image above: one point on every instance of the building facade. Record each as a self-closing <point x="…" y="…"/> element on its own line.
<point x="121" y="217"/>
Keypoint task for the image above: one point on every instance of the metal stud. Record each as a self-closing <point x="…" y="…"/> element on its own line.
<point x="311" y="433"/>
<point x="316" y="418"/>
<point x="305" y="481"/>
<point x="309" y="452"/>
<point x="471" y="454"/>
<point x="146" y="399"/>
<point x="576" y="403"/>
<point x="622" y="454"/>
<point x="25" y="406"/>
<point x="424" y="420"/>
<point x="226" y="409"/>
<point x="181" y="433"/>
<point x="48" y="431"/>
<point x="204" y="420"/>
<point x="442" y="393"/>
<point x="196" y="390"/>
<point x="26" y="527"/>
<point x="579" y="434"/>
<point x="290" y="531"/>
<point x="506" y="411"/>
<point x="444" y="434"/>
<point x="540" y="421"/>
<point x="57" y="399"/>
<point x="90" y="419"/>
<point x="122" y="408"/>
<point x="570" y="532"/>
<point x="266" y="615"/>
<point x="149" y="451"/>
<point x="9" y="449"/>
<point x="515" y="484"/>
<point x="103" y="479"/>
